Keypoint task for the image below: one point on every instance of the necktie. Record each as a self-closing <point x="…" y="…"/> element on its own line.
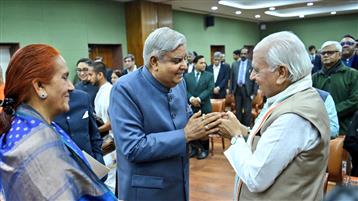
<point x="197" y="77"/>
<point x="241" y="76"/>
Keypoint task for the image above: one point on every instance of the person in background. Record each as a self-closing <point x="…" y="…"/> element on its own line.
<point x="129" y="64"/>
<point x="151" y="124"/>
<point x="332" y="112"/>
<point x="349" y="58"/>
<point x="315" y="59"/>
<point x="340" y="81"/>
<point x="287" y="147"/>
<point x="199" y="85"/>
<point x="190" y="57"/>
<point x="80" y="123"/>
<point x="351" y="143"/>
<point x="243" y="88"/>
<point x="221" y="73"/>
<point x="117" y="73"/>
<point x="236" y="56"/>
<point x="84" y="66"/>
<point x="39" y="161"/>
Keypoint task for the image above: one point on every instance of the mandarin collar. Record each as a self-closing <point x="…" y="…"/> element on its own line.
<point x="151" y="79"/>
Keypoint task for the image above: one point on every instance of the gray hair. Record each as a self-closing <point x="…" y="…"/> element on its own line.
<point x="160" y="42"/>
<point x="335" y="43"/>
<point x="217" y="55"/>
<point x="286" y="48"/>
<point x="190" y="53"/>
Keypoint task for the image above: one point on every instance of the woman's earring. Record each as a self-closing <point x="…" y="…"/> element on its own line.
<point x="43" y="94"/>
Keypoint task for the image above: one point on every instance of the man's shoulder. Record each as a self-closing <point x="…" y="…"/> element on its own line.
<point x="225" y="66"/>
<point x="207" y="74"/>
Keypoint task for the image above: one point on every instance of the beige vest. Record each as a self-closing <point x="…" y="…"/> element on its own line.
<point x="303" y="178"/>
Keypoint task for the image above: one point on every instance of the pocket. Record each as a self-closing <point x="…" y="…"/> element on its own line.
<point x="141" y="181"/>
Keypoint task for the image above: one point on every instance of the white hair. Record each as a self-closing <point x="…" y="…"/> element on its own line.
<point x="335" y="43"/>
<point x="160" y="42"/>
<point x="217" y="55"/>
<point x="286" y="48"/>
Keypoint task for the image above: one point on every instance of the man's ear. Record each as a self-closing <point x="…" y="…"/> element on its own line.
<point x="101" y="75"/>
<point x="153" y="62"/>
<point x="283" y="74"/>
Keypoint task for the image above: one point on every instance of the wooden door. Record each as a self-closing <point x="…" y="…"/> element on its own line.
<point x="215" y="48"/>
<point x="111" y="54"/>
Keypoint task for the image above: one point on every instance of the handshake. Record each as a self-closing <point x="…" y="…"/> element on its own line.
<point x="223" y="123"/>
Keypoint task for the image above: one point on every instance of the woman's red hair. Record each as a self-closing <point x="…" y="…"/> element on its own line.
<point x="32" y="62"/>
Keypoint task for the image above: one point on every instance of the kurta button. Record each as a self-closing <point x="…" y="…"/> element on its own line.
<point x="68" y="117"/>
<point x="173" y="115"/>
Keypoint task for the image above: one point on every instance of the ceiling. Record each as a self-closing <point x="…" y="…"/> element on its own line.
<point x="248" y="9"/>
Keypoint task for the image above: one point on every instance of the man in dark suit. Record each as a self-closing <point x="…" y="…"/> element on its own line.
<point x="243" y="88"/>
<point x="190" y="57"/>
<point x="315" y="59"/>
<point x="80" y="124"/>
<point x="129" y="64"/>
<point x="221" y="72"/>
<point x="83" y="67"/>
<point x="200" y="84"/>
<point x="349" y="58"/>
<point x="351" y="143"/>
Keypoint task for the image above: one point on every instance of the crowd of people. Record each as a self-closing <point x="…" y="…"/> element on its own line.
<point x="159" y="115"/>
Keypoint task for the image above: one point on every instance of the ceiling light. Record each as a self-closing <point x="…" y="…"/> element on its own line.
<point x="272" y="8"/>
<point x="214" y="7"/>
<point x="257" y="16"/>
<point x="259" y="4"/>
<point x="333" y="12"/>
<point x="301" y="16"/>
<point x="310" y="4"/>
<point x="238" y="12"/>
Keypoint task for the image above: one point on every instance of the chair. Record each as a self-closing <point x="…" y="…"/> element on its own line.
<point x="337" y="156"/>
<point x="335" y="159"/>
<point x="218" y="105"/>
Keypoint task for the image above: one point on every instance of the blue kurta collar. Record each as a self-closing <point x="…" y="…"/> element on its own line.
<point x="149" y="77"/>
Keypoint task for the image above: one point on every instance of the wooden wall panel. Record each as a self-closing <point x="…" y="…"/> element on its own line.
<point x="134" y="30"/>
<point x="142" y="18"/>
<point x="149" y="18"/>
<point x="165" y="15"/>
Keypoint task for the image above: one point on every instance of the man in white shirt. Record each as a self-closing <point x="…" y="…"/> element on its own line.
<point x="286" y="153"/>
<point x="221" y="72"/>
<point x="101" y="104"/>
<point x="190" y="57"/>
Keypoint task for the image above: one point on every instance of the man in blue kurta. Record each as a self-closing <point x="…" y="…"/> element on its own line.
<point x="150" y="120"/>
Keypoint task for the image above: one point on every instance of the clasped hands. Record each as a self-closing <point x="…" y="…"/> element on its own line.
<point x="223" y="123"/>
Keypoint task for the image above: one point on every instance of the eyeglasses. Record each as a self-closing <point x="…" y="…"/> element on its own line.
<point x="347" y="43"/>
<point x="329" y="53"/>
<point x="127" y="61"/>
<point x="81" y="69"/>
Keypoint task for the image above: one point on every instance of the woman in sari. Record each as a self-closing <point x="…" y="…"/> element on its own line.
<point x="38" y="160"/>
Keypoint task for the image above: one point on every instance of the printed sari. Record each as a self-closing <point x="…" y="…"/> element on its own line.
<point x="39" y="161"/>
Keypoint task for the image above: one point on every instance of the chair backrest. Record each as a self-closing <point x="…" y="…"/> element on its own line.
<point x="218" y="105"/>
<point x="335" y="159"/>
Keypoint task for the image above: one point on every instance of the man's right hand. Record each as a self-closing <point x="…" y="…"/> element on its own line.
<point x="200" y="126"/>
